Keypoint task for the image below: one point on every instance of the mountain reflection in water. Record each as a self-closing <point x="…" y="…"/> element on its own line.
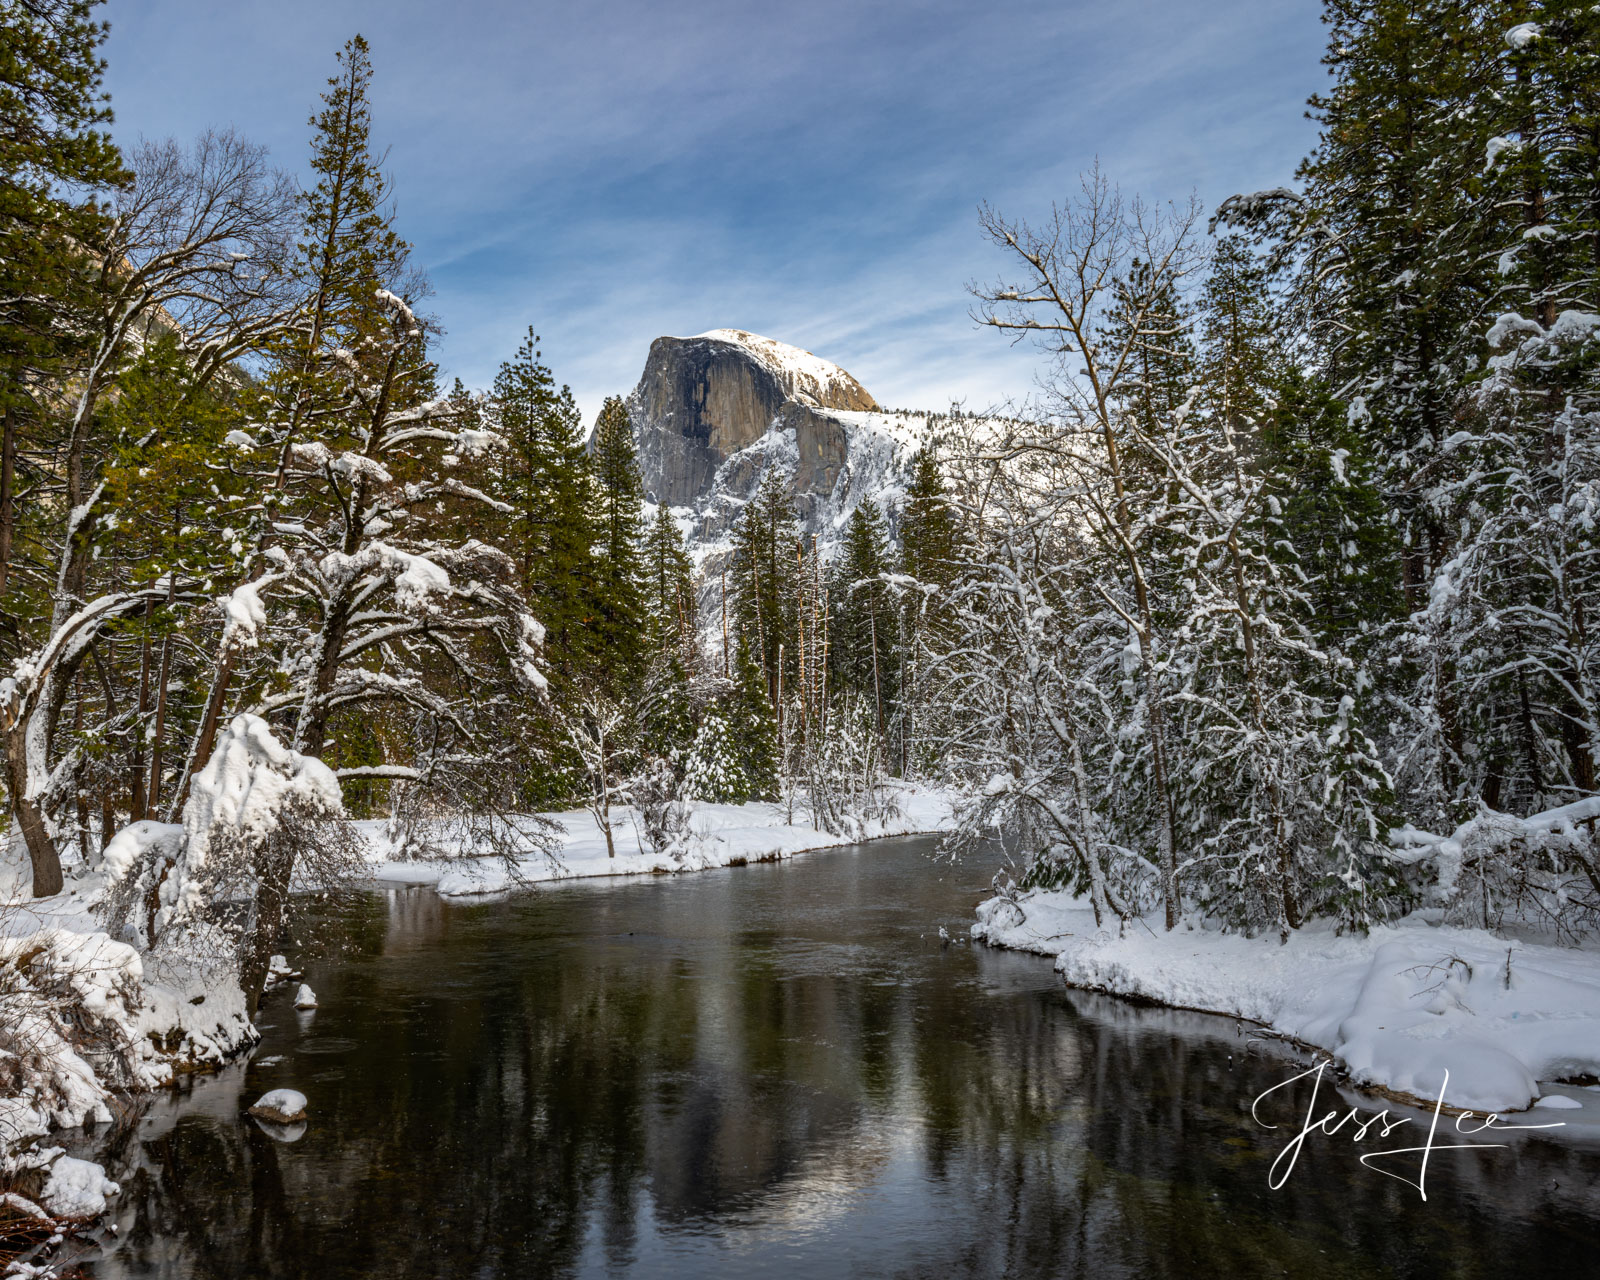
<point x="776" y="1070"/>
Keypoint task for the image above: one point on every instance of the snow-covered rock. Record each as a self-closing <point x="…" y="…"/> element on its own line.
<point x="280" y="1106"/>
<point x="83" y="1013"/>
<point x="77" y="1188"/>
<point x="305" y="998"/>
<point x="280" y="970"/>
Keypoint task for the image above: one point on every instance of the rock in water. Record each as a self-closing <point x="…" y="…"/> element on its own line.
<point x="281" y="1106"/>
<point x="78" y="1188"/>
<point x="305" y="998"/>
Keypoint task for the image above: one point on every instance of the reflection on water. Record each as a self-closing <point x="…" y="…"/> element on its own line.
<point x="776" y="1070"/>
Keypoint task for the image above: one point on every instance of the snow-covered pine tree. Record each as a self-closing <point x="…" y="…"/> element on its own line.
<point x="1392" y="243"/>
<point x="928" y="528"/>
<point x="1282" y="793"/>
<point x="668" y="585"/>
<point x="56" y="169"/>
<point x="549" y="481"/>
<point x="928" y="566"/>
<point x="1400" y="267"/>
<point x="1520" y="475"/>
<point x="715" y="772"/>
<point x="665" y="707"/>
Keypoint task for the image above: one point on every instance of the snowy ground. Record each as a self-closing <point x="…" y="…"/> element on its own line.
<point x="1397" y="1009"/>
<point x="722" y="835"/>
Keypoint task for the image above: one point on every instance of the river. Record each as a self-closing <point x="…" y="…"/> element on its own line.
<point x="775" y="1070"/>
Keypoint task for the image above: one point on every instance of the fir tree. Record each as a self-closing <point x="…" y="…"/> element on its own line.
<point x="929" y="546"/>
<point x="548" y="480"/>
<point x="928" y="528"/>
<point x="863" y="642"/>
<point x="1399" y="269"/>
<point x="619" y="494"/>
<point x="346" y="251"/>
<point x="1333" y="526"/>
<point x="761" y="578"/>
<point x="1238" y="354"/>
<point x="1148" y="316"/>
<point x="668" y="584"/>
<point x="666" y="707"/>
<point x="55" y="163"/>
<point x="715" y="772"/>
<point x="755" y="726"/>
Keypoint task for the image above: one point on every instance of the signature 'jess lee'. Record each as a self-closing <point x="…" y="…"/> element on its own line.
<point x="1384" y="1123"/>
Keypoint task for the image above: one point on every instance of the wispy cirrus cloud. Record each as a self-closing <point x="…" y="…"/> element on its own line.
<point x="613" y="171"/>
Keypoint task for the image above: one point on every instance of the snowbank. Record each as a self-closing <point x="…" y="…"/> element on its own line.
<point x="77" y="1188"/>
<point x="82" y="1014"/>
<point x="1396" y="1009"/>
<point x="722" y="835"/>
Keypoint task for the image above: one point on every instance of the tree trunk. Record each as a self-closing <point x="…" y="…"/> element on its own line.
<point x="8" y="505"/>
<point x="272" y="897"/>
<point x="205" y="738"/>
<point x="137" y="802"/>
<point x="29" y="818"/>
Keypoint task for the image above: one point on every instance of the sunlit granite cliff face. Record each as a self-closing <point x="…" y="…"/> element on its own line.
<point x="702" y="400"/>
<point x="712" y="414"/>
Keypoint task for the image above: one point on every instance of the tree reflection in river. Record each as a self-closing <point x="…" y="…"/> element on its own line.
<point x="774" y="1070"/>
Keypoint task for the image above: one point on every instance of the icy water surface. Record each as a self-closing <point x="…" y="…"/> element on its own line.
<point x="779" y="1071"/>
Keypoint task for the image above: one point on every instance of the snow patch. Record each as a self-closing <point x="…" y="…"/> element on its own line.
<point x="77" y="1188"/>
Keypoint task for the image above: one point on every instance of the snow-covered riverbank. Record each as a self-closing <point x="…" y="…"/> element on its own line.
<point x="1396" y="1009"/>
<point x="721" y="835"/>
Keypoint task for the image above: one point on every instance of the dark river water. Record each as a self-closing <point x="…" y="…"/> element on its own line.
<point x="779" y="1070"/>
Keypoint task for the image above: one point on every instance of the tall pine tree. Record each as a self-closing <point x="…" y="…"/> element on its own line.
<point x="761" y="578"/>
<point x="668" y="584"/>
<point x="863" y="644"/>
<point x="549" y="481"/>
<point x="619" y="500"/>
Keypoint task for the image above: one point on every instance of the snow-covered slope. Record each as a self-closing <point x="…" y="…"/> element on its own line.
<point x="807" y="378"/>
<point x="838" y="460"/>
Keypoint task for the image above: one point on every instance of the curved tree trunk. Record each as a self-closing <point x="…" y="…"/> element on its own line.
<point x="29" y="817"/>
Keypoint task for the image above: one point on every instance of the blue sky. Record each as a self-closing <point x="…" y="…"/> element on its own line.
<point x="613" y="170"/>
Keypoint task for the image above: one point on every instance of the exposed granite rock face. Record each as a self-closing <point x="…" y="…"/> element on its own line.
<point x="701" y="400"/>
<point x="822" y="443"/>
